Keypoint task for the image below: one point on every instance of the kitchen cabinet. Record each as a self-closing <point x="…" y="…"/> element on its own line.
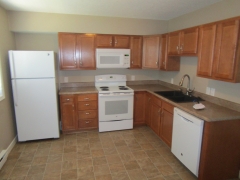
<point x="113" y="41"/>
<point x="139" y="108"/>
<point x="151" y="52"/>
<point x="76" y="51"/>
<point x="219" y="51"/>
<point x="226" y="65"/>
<point x="155" y="114"/>
<point x="184" y="42"/>
<point x="167" y="63"/>
<point x="207" y="36"/>
<point x="136" y="52"/>
<point x="68" y="113"/>
<point x="87" y="107"/>
<point x="148" y="100"/>
<point x="166" y="124"/>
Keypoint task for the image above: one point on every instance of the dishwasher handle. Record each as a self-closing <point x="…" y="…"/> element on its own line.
<point x="184" y="118"/>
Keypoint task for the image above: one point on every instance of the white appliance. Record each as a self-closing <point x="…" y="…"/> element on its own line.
<point x="34" y="94"/>
<point x="113" y="58"/>
<point x="187" y="139"/>
<point x="115" y="102"/>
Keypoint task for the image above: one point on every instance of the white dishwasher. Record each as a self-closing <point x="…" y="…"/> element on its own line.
<point x="187" y="139"/>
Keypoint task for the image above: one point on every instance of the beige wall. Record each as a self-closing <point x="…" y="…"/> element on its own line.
<point x="30" y="34"/>
<point x="7" y="122"/>
<point x="48" y="22"/>
<point x="222" y="10"/>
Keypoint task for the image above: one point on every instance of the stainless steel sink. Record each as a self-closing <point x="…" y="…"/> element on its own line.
<point x="178" y="96"/>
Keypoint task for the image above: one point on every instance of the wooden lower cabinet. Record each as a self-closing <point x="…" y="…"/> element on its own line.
<point x="139" y="108"/>
<point x="166" y="124"/>
<point x="79" y="112"/>
<point x="155" y="114"/>
<point x="68" y="113"/>
<point x="148" y="98"/>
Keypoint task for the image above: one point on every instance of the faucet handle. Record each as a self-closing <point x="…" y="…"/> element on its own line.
<point x="190" y="91"/>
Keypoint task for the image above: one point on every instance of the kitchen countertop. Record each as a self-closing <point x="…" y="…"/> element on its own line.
<point x="211" y="112"/>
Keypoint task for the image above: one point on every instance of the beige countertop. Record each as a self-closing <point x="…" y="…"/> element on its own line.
<point x="211" y="112"/>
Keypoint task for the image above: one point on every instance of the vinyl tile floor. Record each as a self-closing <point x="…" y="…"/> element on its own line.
<point x="136" y="154"/>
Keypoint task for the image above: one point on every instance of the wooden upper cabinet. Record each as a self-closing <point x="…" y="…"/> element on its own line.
<point x="85" y="52"/>
<point x="67" y="50"/>
<point x="151" y="52"/>
<point x="77" y="51"/>
<point x="207" y="37"/>
<point x="136" y="52"/>
<point x="174" y="43"/>
<point x="167" y="63"/>
<point x="184" y="42"/>
<point x="111" y="41"/>
<point x="219" y="51"/>
<point x="226" y="54"/>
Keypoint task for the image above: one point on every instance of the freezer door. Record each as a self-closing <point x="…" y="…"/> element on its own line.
<point x="32" y="64"/>
<point x="35" y="103"/>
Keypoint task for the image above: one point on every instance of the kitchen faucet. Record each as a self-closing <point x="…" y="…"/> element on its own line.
<point x="189" y="91"/>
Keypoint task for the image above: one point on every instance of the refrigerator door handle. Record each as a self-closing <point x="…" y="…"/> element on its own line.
<point x="15" y="96"/>
<point x="12" y="66"/>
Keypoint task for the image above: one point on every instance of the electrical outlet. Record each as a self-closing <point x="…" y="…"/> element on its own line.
<point x="212" y="91"/>
<point x="132" y="77"/>
<point x="171" y="80"/>
<point x="208" y="90"/>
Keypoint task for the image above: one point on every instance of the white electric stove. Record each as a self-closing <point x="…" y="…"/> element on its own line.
<point x="115" y="102"/>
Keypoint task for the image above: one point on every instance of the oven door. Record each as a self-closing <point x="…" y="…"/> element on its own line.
<point x="115" y="106"/>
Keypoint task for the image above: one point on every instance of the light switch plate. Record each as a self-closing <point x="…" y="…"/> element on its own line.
<point x="65" y="79"/>
<point x="212" y="92"/>
<point x="171" y="80"/>
<point x="208" y="89"/>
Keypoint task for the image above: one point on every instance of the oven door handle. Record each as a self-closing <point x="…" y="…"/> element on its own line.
<point x="115" y="94"/>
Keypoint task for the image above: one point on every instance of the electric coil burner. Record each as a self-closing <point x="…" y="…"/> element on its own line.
<point x="115" y="102"/>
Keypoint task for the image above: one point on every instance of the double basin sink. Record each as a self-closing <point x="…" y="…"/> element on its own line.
<point x="178" y="96"/>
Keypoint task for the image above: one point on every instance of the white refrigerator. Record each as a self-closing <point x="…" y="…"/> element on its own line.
<point x="34" y="94"/>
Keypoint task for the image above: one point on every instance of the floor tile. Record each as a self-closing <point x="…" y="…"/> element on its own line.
<point x="34" y="177"/>
<point x="113" y="159"/>
<point x="116" y="168"/>
<point x="130" y="165"/>
<point x="85" y="162"/>
<point x="104" y="177"/>
<point x="99" y="161"/>
<point x="85" y="171"/>
<point x="19" y="171"/>
<point x="37" y="169"/>
<point x="137" y="175"/>
<point x="69" y="174"/>
<point x="69" y="165"/>
<point x="166" y="170"/>
<point x="120" y="176"/>
<point x="101" y="170"/>
<point x="187" y="176"/>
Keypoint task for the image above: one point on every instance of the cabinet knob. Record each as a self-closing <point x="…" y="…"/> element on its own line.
<point x="86" y="98"/>
<point x="110" y="42"/>
<point x="132" y="62"/>
<point x="67" y="99"/>
<point x="87" y="113"/>
<point x="75" y="62"/>
<point x="116" y="42"/>
<point x="87" y="122"/>
<point x="80" y="63"/>
<point x="86" y="104"/>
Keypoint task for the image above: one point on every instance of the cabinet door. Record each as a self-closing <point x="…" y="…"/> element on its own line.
<point x="155" y="118"/>
<point x="189" y="41"/>
<point x="163" y="52"/>
<point x="121" y="41"/>
<point x="104" y="41"/>
<point x="136" y="52"/>
<point x="174" y="43"/>
<point x="139" y="108"/>
<point x="67" y="50"/>
<point x="166" y="125"/>
<point x="207" y="36"/>
<point x="85" y="52"/>
<point x="225" y="50"/>
<point x="68" y="113"/>
<point x="148" y="108"/>
<point x="150" y="52"/>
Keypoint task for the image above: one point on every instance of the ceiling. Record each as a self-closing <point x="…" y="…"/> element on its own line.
<point x="141" y="9"/>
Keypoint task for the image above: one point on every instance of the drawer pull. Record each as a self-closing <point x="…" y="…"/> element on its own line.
<point x="86" y="98"/>
<point x="87" y="113"/>
<point x="87" y="122"/>
<point x="68" y="99"/>
<point x="86" y="104"/>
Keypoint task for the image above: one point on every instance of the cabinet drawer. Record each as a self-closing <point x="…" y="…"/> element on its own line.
<point x="156" y="101"/>
<point x="87" y="105"/>
<point x="87" y="123"/>
<point x="87" y="97"/>
<point x="90" y="114"/>
<point x="168" y="107"/>
<point x="67" y="98"/>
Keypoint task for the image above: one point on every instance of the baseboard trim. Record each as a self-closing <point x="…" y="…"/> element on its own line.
<point x="5" y="153"/>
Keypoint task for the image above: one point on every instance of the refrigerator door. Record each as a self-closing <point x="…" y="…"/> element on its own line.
<point x="35" y="102"/>
<point x="32" y="64"/>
